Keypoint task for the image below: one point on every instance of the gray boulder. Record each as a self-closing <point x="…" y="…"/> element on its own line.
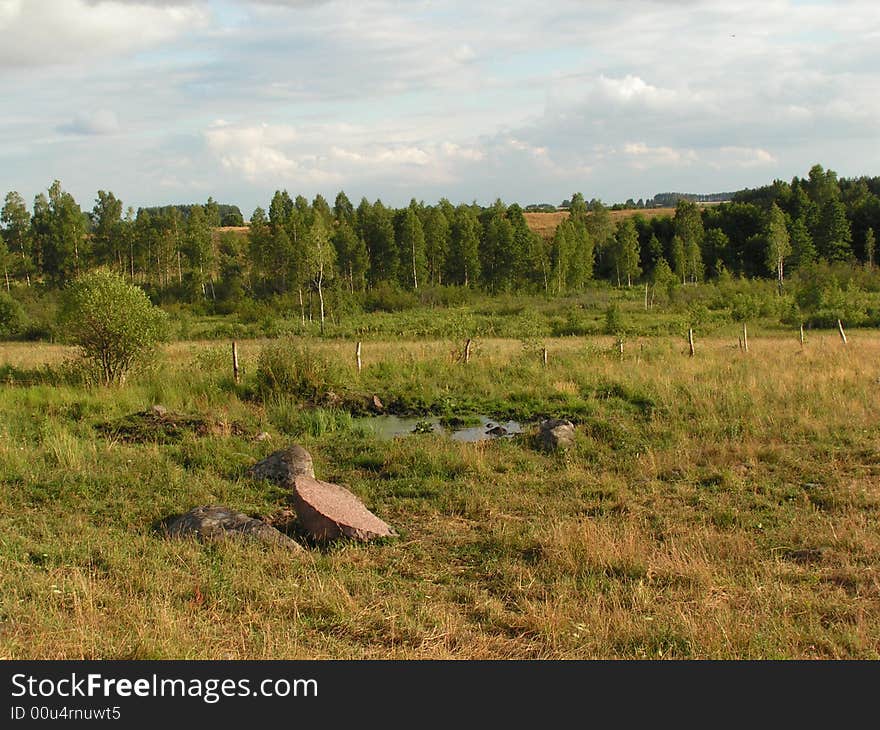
<point x="327" y="511"/>
<point x="556" y="434"/>
<point x="215" y="522"/>
<point x="281" y="467"/>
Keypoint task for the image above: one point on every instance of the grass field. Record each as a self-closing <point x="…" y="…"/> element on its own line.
<point x="542" y="223"/>
<point x="545" y="223"/>
<point x="725" y="505"/>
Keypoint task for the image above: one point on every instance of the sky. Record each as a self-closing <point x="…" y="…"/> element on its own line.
<point x="173" y="101"/>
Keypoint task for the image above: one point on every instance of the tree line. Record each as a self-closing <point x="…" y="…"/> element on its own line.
<point x="301" y="249"/>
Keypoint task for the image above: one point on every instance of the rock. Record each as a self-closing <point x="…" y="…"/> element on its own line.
<point x="556" y="434"/>
<point x="262" y="436"/>
<point x="497" y="431"/>
<point x="282" y="466"/>
<point x="160" y="411"/>
<point x="327" y="511"/>
<point x="215" y="522"/>
<point x="377" y="404"/>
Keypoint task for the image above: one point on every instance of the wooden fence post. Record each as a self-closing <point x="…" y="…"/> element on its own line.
<point x="842" y="333"/>
<point x="745" y="338"/>
<point x="235" y="361"/>
<point x="357" y="354"/>
<point x="691" y="340"/>
<point x="802" y="334"/>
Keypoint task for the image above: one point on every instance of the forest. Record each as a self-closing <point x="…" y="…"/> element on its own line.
<point x="813" y="236"/>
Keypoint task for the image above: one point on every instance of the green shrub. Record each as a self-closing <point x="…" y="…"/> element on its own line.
<point x="114" y="323"/>
<point x="13" y="320"/>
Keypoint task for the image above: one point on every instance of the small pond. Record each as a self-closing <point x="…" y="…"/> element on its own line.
<point x="388" y="427"/>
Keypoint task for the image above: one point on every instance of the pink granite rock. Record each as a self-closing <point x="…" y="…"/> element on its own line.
<point x="327" y="511"/>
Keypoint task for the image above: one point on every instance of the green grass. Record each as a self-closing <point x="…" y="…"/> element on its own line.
<point x="720" y="506"/>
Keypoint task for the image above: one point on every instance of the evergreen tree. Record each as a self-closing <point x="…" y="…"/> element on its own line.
<point x="803" y="251"/>
<point x="320" y="207"/>
<point x="688" y="226"/>
<point x="822" y="186"/>
<point x="802" y="207"/>
<point x="343" y="210"/>
<point x="834" y="237"/>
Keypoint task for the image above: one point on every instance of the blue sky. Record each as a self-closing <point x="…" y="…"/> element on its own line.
<point x="166" y="101"/>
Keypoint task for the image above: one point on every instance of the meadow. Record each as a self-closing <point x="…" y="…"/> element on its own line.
<point x="725" y="505"/>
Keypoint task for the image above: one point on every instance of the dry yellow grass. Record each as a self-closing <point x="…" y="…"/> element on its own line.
<point x="739" y="517"/>
<point x="545" y="223"/>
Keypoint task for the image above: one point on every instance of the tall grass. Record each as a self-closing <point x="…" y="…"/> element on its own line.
<point x="725" y="505"/>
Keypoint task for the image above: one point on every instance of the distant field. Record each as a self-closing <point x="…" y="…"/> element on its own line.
<point x="546" y="223"/>
<point x="542" y="223"/>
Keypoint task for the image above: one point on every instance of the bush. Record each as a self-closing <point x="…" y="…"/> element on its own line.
<point x="386" y="297"/>
<point x="13" y="320"/>
<point x="613" y="320"/>
<point x="114" y="323"/>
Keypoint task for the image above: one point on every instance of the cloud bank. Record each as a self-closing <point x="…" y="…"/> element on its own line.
<point x="430" y="99"/>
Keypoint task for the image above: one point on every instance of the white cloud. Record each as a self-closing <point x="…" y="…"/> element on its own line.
<point x="447" y="97"/>
<point x="51" y="32"/>
<point x="643" y="156"/>
<point x="329" y="154"/>
<point x="256" y="152"/>
<point x="742" y="157"/>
